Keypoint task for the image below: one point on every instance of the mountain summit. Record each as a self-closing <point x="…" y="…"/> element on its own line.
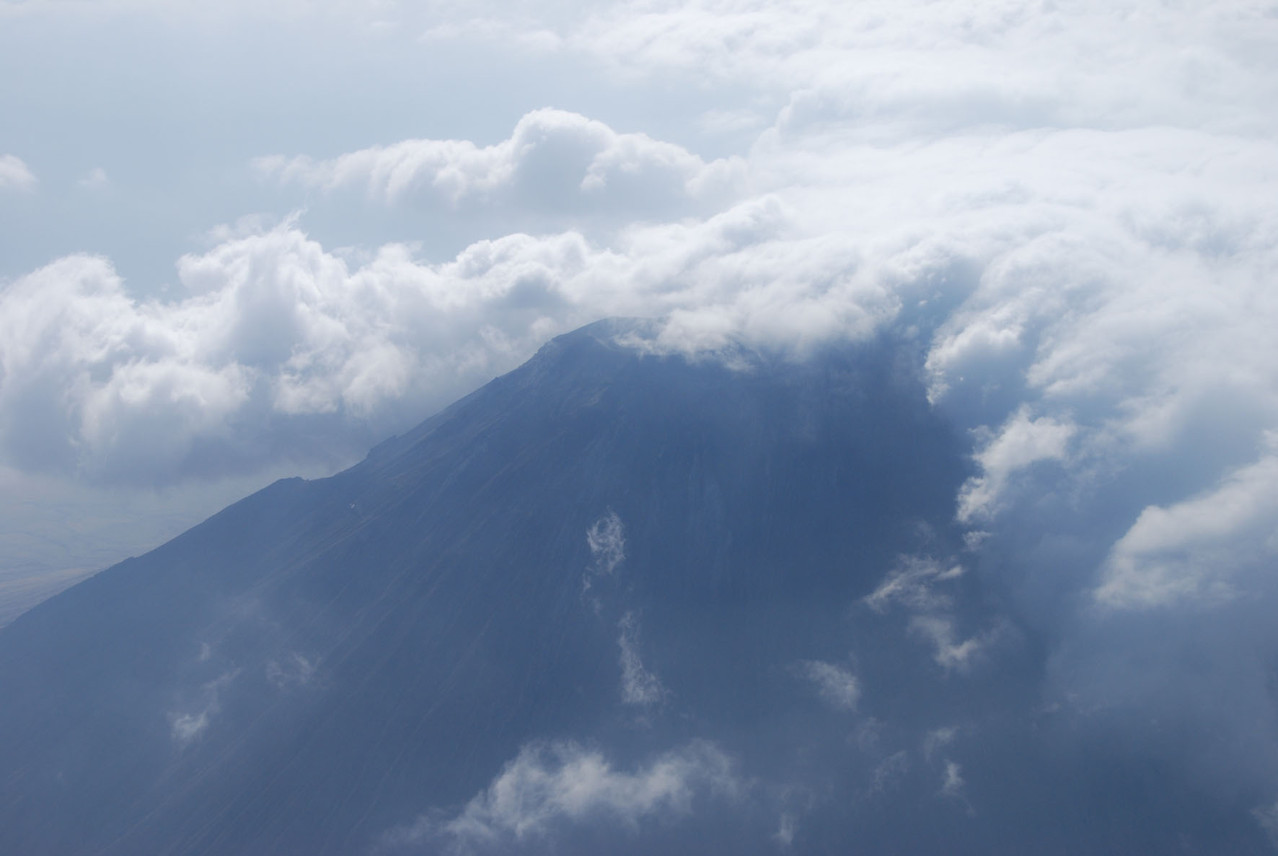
<point x="614" y="601"/>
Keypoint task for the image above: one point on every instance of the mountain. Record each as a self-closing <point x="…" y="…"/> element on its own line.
<point x="613" y="602"/>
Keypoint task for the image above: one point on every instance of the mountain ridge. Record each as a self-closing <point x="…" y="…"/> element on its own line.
<point x="606" y="551"/>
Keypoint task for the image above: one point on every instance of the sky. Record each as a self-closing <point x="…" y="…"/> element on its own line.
<point x="238" y="243"/>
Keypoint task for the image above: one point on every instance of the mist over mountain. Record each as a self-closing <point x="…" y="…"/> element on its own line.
<point x="617" y="600"/>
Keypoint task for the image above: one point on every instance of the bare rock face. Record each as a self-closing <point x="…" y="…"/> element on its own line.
<point x="613" y="602"/>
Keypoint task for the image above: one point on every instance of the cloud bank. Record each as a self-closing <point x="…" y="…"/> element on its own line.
<point x="554" y="160"/>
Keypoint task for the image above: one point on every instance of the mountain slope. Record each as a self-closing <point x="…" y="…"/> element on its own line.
<point x="629" y="589"/>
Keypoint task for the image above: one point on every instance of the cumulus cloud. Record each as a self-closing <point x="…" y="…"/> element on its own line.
<point x="1020" y="442"/>
<point x="15" y="174"/>
<point x="551" y="787"/>
<point x="1194" y="549"/>
<point x="553" y="161"/>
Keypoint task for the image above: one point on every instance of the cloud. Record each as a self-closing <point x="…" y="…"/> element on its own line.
<point x="990" y="62"/>
<point x="184" y="728"/>
<point x="1020" y="442"/>
<point x="938" y="738"/>
<point x="949" y="651"/>
<point x="836" y="685"/>
<point x="1082" y="253"/>
<point x="96" y="179"/>
<point x="606" y="538"/>
<point x="639" y="686"/>
<point x="551" y="787"/>
<point x="912" y="584"/>
<point x="293" y="670"/>
<point x="15" y="174"/>
<point x="1193" y="550"/>
<point x="952" y="784"/>
<point x="553" y="161"/>
<point x="274" y="339"/>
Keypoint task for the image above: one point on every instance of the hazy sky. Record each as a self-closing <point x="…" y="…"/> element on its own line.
<point x="237" y="243"/>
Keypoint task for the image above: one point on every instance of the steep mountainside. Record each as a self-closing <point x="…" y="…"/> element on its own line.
<point x="611" y="602"/>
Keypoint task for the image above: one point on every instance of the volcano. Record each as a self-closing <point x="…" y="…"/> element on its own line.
<point x="616" y="601"/>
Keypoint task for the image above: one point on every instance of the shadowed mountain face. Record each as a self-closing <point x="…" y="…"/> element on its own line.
<point x="611" y="602"/>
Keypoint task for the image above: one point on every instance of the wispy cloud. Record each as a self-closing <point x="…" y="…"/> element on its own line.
<point x="639" y="686"/>
<point x="187" y="726"/>
<point x="912" y="583"/>
<point x="551" y="787"/>
<point x="838" y="686"/>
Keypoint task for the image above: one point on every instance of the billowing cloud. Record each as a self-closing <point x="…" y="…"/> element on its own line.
<point x="1196" y="549"/>
<point x="553" y="161"/>
<point x="551" y="787"/>
<point x="1020" y="442"/>
<point x="15" y="174"/>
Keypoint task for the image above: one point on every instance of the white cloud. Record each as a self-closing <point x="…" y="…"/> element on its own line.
<point x="1192" y="550"/>
<point x="96" y="179"/>
<point x="186" y="727"/>
<point x="1084" y="251"/>
<point x="15" y="174"/>
<point x="1267" y="817"/>
<point x="836" y="685"/>
<point x="606" y="538"/>
<point x="938" y="738"/>
<point x="952" y="783"/>
<point x="912" y="584"/>
<point x="551" y="786"/>
<point x="553" y="161"/>
<point x="291" y="670"/>
<point x="949" y="651"/>
<point x="890" y="771"/>
<point x="1020" y="442"/>
<point x="639" y="686"/>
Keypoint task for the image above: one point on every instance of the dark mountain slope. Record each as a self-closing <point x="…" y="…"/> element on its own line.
<point x="632" y="552"/>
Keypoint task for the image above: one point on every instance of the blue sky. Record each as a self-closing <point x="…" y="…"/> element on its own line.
<point x="237" y="244"/>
